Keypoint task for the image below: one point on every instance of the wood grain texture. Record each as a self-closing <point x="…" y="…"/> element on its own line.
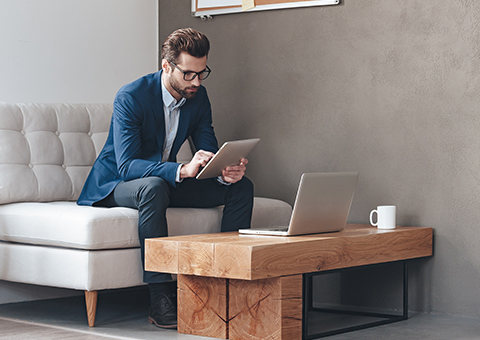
<point x="91" y="304"/>
<point x="292" y="304"/>
<point x="196" y="258"/>
<point x="161" y="256"/>
<point x="266" y="309"/>
<point x="240" y="309"/>
<point x="202" y="306"/>
<point x="343" y="251"/>
<point x="229" y="255"/>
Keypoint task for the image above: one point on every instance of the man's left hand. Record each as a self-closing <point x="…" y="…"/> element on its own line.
<point x="234" y="173"/>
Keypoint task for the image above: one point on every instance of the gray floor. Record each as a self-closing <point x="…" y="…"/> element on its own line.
<point x="123" y="315"/>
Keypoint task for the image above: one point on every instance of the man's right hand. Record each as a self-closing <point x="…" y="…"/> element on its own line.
<point x="200" y="159"/>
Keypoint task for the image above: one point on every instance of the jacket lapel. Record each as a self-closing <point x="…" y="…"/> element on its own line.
<point x="156" y="102"/>
<point x="157" y="107"/>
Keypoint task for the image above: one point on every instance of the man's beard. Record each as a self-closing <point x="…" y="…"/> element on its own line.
<point x="183" y="92"/>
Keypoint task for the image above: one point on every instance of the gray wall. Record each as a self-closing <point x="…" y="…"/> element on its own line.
<point x="385" y="87"/>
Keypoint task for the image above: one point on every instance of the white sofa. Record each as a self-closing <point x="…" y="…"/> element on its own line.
<point x="46" y="152"/>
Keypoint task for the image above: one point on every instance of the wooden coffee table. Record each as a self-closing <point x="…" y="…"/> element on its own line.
<point x="235" y="286"/>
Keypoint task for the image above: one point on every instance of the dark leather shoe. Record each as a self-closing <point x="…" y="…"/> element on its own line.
<point x="163" y="310"/>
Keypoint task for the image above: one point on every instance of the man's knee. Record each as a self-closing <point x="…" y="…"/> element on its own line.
<point x="154" y="189"/>
<point x="244" y="187"/>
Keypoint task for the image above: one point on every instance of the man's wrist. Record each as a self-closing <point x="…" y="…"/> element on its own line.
<point x="178" y="177"/>
<point x="220" y="180"/>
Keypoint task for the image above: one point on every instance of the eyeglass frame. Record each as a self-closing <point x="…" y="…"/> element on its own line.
<point x="195" y="74"/>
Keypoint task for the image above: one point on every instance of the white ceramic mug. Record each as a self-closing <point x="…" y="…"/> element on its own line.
<point x="385" y="217"/>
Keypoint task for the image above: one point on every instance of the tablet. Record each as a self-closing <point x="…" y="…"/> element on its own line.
<point x="229" y="154"/>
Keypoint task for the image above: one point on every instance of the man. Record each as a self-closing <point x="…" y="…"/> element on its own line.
<point x="137" y="168"/>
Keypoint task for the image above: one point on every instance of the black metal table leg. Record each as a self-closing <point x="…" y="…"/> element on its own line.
<point x="308" y="307"/>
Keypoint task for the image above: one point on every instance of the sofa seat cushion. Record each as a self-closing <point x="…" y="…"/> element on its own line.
<point x="66" y="224"/>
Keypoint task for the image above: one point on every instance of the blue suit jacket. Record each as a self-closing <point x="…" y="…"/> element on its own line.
<point x="137" y="131"/>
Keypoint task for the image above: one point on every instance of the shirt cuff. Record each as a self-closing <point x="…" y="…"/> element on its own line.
<point x="220" y="180"/>
<point x="177" y="176"/>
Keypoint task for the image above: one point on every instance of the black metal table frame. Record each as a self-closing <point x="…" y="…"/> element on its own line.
<point x="308" y="304"/>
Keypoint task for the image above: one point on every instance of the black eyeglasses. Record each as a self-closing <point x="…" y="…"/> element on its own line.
<point x="190" y="75"/>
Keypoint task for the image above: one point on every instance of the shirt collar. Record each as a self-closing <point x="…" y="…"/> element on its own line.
<point x="169" y="100"/>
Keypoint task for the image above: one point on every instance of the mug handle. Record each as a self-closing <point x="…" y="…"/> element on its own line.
<point x="371" y="217"/>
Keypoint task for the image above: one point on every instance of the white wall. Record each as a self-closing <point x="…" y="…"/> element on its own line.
<point x="77" y="51"/>
<point x="74" y="50"/>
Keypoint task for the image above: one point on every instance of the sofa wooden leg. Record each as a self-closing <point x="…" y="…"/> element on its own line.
<point x="91" y="301"/>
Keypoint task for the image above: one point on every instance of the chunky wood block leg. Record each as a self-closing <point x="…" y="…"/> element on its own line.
<point x="241" y="309"/>
<point x="91" y="302"/>
<point x="266" y="308"/>
<point x="202" y="306"/>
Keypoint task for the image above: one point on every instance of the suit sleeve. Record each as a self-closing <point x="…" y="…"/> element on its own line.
<point x="127" y="126"/>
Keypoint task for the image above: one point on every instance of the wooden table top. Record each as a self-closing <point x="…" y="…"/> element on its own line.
<point x="252" y="257"/>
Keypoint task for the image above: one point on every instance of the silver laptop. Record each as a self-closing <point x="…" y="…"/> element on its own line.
<point x="322" y="205"/>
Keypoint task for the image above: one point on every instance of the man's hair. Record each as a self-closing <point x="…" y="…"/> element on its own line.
<point x="185" y="40"/>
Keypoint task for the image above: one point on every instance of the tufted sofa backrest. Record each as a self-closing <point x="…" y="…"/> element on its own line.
<point x="47" y="150"/>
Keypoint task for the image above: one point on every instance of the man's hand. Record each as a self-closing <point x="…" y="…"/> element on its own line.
<point x="200" y="159"/>
<point x="234" y="173"/>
